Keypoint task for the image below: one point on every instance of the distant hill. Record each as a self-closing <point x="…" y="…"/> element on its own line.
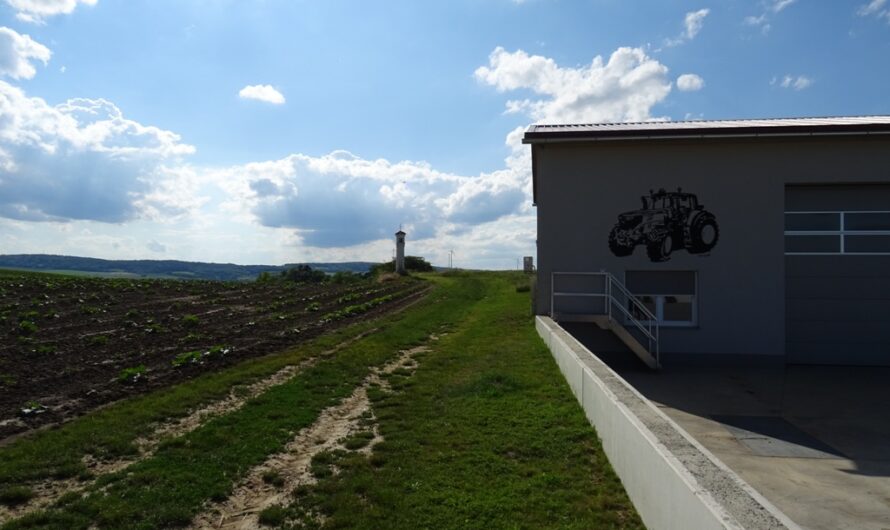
<point x="160" y="268"/>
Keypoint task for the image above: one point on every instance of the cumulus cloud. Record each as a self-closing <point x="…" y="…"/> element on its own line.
<point x="770" y="8"/>
<point x="623" y="89"/>
<point x="17" y="53"/>
<point x="37" y="11"/>
<point x="266" y="93"/>
<point x="81" y="159"/>
<point x="799" y="82"/>
<point x="876" y="8"/>
<point x="690" y="83"/>
<point x="341" y="199"/>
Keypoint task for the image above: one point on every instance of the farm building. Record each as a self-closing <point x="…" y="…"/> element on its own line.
<point x="742" y="240"/>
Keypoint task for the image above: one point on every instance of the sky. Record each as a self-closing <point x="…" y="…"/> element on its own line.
<point x="287" y="131"/>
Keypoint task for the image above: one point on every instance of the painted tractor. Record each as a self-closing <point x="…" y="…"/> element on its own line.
<point x="668" y="221"/>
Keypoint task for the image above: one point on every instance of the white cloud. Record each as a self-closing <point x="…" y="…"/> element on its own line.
<point x="81" y="159"/>
<point x="876" y="8"/>
<point x="692" y="24"/>
<point x="873" y="7"/>
<point x="793" y="82"/>
<point x="777" y="5"/>
<point x="17" y="53"/>
<point x="266" y="93"/>
<point x="341" y="200"/>
<point x="623" y="89"/>
<point x="37" y="10"/>
<point x="690" y="83"/>
<point x="771" y="7"/>
<point x="694" y="21"/>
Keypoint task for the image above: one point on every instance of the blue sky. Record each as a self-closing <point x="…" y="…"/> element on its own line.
<point x="274" y="131"/>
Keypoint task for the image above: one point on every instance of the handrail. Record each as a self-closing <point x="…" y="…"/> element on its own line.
<point x="648" y="327"/>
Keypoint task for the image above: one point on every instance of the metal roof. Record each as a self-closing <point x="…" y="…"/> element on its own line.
<point x="852" y="125"/>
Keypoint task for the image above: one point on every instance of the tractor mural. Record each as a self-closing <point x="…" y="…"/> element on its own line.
<point x="668" y="221"/>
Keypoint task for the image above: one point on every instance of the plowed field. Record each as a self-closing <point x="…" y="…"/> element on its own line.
<point x="70" y="344"/>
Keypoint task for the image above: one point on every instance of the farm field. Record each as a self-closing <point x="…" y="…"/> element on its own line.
<point x="447" y="414"/>
<point x="69" y="344"/>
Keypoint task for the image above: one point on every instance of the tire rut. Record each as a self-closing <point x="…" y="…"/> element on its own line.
<point x="292" y="466"/>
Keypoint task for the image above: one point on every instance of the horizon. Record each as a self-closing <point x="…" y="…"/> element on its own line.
<point x="293" y="132"/>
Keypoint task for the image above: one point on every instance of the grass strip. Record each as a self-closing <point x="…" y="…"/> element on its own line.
<point x="110" y="432"/>
<point x="486" y="434"/>
<point x="169" y="488"/>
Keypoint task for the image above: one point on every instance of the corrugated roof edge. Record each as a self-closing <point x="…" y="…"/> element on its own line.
<point x="841" y="125"/>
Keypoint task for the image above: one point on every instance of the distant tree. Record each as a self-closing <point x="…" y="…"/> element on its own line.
<point x="417" y="264"/>
<point x="346" y="277"/>
<point x="412" y="264"/>
<point x="265" y="277"/>
<point x="303" y="274"/>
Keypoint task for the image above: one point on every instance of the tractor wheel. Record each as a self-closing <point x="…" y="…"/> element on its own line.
<point x="660" y="247"/>
<point x="703" y="234"/>
<point x="617" y="247"/>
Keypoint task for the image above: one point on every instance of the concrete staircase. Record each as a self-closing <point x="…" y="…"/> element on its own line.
<point x="609" y="305"/>
<point x="604" y="322"/>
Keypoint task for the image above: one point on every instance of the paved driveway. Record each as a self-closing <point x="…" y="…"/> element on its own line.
<point x="814" y="440"/>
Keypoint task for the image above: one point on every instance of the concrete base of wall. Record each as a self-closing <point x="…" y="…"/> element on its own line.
<point x="673" y="481"/>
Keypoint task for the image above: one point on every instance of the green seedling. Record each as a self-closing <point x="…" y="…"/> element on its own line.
<point x="132" y="374"/>
<point x="98" y="340"/>
<point x="26" y="327"/>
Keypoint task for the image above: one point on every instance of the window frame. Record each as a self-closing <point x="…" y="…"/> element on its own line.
<point x="841" y="233"/>
<point x="659" y="303"/>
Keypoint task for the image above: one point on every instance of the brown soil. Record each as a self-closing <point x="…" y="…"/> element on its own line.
<point x="82" y="333"/>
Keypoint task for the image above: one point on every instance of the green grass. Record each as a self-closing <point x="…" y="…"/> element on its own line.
<point x="273" y="516"/>
<point x="274" y="478"/>
<point x="15" y="495"/>
<point x="486" y="435"/>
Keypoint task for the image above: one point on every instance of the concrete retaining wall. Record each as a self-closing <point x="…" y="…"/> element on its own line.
<point x="694" y="491"/>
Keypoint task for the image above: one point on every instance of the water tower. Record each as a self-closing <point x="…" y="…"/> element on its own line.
<point x="400" y="252"/>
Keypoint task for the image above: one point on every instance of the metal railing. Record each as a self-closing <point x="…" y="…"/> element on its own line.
<point x="614" y="294"/>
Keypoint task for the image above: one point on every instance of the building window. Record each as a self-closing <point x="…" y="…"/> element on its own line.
<point x="670" y="296"/>
<point x="859" y="233"/>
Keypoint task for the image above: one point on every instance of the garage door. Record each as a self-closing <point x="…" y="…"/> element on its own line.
<point x="837" y="274"/>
